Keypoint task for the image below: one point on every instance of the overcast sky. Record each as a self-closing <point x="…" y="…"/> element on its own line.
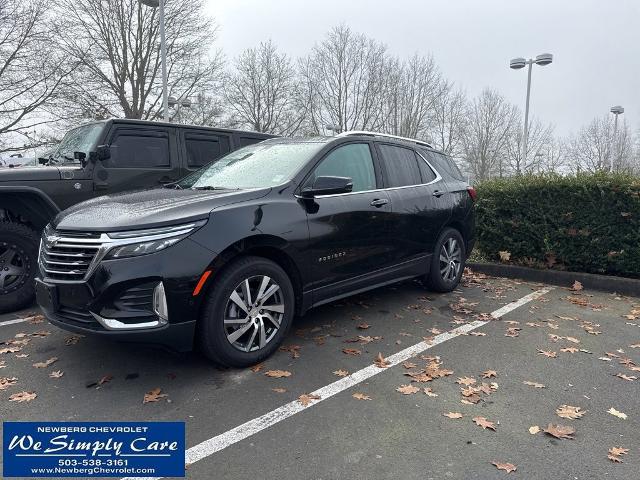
<point x="595" y="43"/>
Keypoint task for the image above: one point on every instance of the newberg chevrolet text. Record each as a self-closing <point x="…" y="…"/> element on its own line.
<point x="225" y="258"/>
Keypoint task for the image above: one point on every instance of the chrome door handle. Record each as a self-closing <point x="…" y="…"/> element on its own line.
<point x="379" y="202"/>
<point x="438" y="193"/>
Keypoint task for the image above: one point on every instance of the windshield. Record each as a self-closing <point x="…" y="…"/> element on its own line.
<point x="256" y="166"/>
<point x="80" y="139"/>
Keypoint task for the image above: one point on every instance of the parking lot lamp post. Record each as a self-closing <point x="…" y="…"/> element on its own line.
<point x="616" y="110"/>
<point x="163" y="55"/>
<point x="516" y="64"/>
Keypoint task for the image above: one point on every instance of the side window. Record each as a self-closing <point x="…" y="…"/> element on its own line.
<point x="204" y="149"/>
<point x="139" y="149"/>
<point x="353" y="161"/>
<point x="428" y="175"/>
<point x="445" y="165"/>
<point x="244" y="141"/>
<point x="400" y="166"/>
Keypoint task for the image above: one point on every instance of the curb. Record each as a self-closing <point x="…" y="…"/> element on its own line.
<point x="604" y="283"/>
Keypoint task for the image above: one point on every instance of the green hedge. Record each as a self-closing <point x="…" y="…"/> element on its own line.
<point x="587" y="223"/>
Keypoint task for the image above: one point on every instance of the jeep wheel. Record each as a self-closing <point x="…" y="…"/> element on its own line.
<point x="447" y="263"/>
<point x="247" y="314"/>
<point x="18" y="266"/>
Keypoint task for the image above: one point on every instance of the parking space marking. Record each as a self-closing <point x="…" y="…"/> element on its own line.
<point x="14" y="321"/>
<point x="250" y="428"/>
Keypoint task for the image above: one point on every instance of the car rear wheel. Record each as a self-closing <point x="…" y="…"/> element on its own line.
<point x="248" y="313"/>
<point x="447" y="263"/>
<point x="18" y="265"/>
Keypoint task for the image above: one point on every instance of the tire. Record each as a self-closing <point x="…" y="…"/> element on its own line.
<point x="18" y="266"/>
<point x="230" y="336"/>
<point x="441" y="279"/>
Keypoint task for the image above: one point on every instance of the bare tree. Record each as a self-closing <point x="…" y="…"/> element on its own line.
<point x="31" y="73"/>
<point x="261" y="91"/>
<point x="554" y="157"/>
<point x="117" y="44"/>
<point x="538" y="137"/>
<point x="414" y="88"/>
<point x="449" y="121"/>
<point x="343" y="78"/>
<point x="491" y="119"/>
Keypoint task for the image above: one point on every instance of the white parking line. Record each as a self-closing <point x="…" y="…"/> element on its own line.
<point x="14" y="321"/>
<point x="235" y="435"/>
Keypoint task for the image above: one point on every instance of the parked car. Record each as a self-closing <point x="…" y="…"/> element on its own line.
<point x="92" y="160"/>
<point x="227" y="256"/>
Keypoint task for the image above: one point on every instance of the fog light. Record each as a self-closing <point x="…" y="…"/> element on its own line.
<point x="160" y="303"/>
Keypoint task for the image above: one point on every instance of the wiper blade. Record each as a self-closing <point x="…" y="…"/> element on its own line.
<point x="209" y="187"/>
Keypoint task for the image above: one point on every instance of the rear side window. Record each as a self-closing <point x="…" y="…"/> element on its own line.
<point x="244" y="141"/>
<point x="140" y="150"/>
<point x="352" y="161"/>
<point x="443" y="164"/>
<point x="400" y="166"/>
<point x="204" y="149"/>
<point x="428" y="175"/>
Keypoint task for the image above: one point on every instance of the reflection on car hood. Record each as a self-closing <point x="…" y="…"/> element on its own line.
<point x="148" y="208"/>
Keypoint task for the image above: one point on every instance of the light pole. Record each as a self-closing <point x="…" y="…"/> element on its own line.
<point x="177" y="104"/>
<point x="518" y="63"/>
<point x="616" y="110"/>
<point x="163" y="55"/>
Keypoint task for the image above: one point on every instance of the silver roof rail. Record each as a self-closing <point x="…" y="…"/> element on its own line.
<point x="378" y="134"/>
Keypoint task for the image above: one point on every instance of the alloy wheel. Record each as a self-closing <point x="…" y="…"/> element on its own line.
<point x="14" y="267"/>
<point x="450" y="259"/>
<point x="253" y="313"/>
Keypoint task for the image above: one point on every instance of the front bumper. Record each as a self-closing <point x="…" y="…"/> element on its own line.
<point x="117" y="299"/>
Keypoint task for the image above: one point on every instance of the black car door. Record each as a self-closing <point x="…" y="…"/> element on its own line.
<point x="420" y="204"/>
<point x="349" y="234"/>
<point x="140" y="158"/>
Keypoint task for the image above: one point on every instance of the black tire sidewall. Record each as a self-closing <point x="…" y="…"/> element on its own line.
<point x="211" y="334"/>
<point x="26" y="239"/>
<point x="435" y="280"/>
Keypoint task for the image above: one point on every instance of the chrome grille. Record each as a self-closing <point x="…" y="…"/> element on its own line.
<point x="68" y="255"/>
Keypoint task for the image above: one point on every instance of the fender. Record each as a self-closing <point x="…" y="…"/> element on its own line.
<point x="30" y="202"/>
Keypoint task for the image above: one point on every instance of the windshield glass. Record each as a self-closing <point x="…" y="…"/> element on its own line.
<point x="256" y="166"/>
<point x="80" y="139"/>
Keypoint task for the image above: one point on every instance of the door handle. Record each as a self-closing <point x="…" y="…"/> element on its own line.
<point x="379" y="202"/>
<point x="438" y="193"/>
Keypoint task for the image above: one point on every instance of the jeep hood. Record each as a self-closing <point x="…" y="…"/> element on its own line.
<point x="148" y="209"/>
<point x="28" y="174"/>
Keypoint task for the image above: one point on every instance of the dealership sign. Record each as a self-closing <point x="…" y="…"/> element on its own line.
<point x="88" y="449"/>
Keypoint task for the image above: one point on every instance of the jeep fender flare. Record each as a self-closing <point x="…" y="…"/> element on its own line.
<point x="30" y="203"/>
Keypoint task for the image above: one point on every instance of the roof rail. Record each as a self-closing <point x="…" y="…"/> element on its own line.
<point x="378" y="134"/>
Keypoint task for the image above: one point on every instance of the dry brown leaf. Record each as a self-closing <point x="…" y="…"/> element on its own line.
<point x="453" y="415"/>
<point x="6" y="382"/>
<point x="351" y="351"/>
<point x="478" y="334"/>
<point x="363" y="326"/>
<point x="153" y="395"/>
<point x="576" y="287"/>
<point x="361" y="396"/>
<point x="10" y="349"/>
<point x="466" y="381"/>
<point x="617" y="413"/>
<point x="294" y="350"/>
<point x="409" y="365"/>
<point x="533" y="384"/>
<point x="72" y="340"/>
<point x="559" y="431"/>
<point x="489" y="374"/>
<point x="279" y="390"/>
<point x="307" y="399"/>
<point x="533" y="430"/>
<point x="507" y="467"/>
<point x="569" y="350"/>
<point x="257" y="368"/>
<point x="629" y="378"/>
<point x="56" y="374"/>
<point x="484" y="423"/>
<point x="407" y="389"/>
<point x="340" y="373"/>
<point x="428" y="391"/>
<point x="381" y="362"/>
<point x="277" y="373"/>
<point x="46" y="363"/>
<point x="547" y="353"/>
<point x="572" y="339"/>
<point x="505" y="255"/>
<point x="571" y="412"/>
<point x="22" y="397"/>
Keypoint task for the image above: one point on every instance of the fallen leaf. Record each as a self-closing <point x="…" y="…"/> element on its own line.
<point x="277" y="373"/>
<point x="340" y="373"/>
<point x="507" y="467"/>
<point x="46" y="363"/>
<point x="429" y="392"/>
<point x="72" y="340"/>
<point x="381" y="362"/>
<point x="466" y="381"/>
<point x="363" y="326"/>
<point x="615" y="452"/>
<point x="576" y="287"/>
<point x="547" y="353"/>
<point x="453" y="415"/>
<point x="307" y="398"/>
<point x="616" y="413"/>
<point x="533" y="430"/>
<point x="568" y="411"/>
<point x="478" y="334"/>
<point x="484" y="423"/>
<point x="489" y="374"/>
<point x="11" y="349"/>
<point x="629" y="378"/>
<point x="569" y="350"/>
<point x="279" y="390"/>
<point x="22" y="397"/>
<point x="361" y="396"/>
<point x="257" y="368"/>
<point x="407" y="389"/>
<point x="505" y="256"/>
<point x="56" y="374"/>
<point x="409" y="365"/>
<point x="560" y="431"/>
<point x="153" y="395"/>
<point x="105" y="379"/>
<point x="533" y="384"/>
<point x="294" y="350"/>
<point x="351" y="351"/>
<point x="6" y="382"/>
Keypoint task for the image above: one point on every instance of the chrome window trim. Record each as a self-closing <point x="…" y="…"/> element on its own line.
<point x="387" y="135"/>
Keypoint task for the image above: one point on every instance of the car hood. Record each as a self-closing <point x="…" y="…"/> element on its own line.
<point x="28" y="174"/>
<point x="148" y="209"/>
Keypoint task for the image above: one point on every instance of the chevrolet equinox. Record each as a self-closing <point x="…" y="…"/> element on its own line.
<point x="226" y="257"/>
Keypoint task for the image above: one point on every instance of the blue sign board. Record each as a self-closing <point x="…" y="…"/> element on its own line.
<point x="93" y="449"/>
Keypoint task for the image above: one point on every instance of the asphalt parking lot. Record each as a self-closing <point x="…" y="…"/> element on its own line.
<point x="574" y="348"/>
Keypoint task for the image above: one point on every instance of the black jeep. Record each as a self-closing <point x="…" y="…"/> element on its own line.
<point x="94" y="159"/>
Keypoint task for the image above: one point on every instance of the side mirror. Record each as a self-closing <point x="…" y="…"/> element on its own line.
<point x="328" y="186"/>
<point x="103" y="152"/>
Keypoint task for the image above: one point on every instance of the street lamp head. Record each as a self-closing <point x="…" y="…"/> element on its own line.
<point x="544" y="59"/>
<point x="517" y="63"/>
<point x="186" y="103"/>
<point x="150" y="3"/>
<point x="617" y="110"/>
<point x="172" y="101"/>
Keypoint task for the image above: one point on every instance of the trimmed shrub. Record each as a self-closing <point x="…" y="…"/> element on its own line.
<point x="587" y="223"/>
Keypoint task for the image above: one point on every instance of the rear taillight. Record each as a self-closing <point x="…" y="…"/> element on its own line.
<point x="472" y="193"/>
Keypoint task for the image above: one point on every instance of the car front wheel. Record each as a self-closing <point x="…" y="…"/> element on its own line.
<point x="448" y="262"/>
<point x="248" y="313"/>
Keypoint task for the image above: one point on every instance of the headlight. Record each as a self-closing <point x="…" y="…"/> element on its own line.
<point x="141" y="242"/>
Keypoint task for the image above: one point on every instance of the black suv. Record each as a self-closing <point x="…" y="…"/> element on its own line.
<point x="94" y="159"/>
<point x="230" y="254"/>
